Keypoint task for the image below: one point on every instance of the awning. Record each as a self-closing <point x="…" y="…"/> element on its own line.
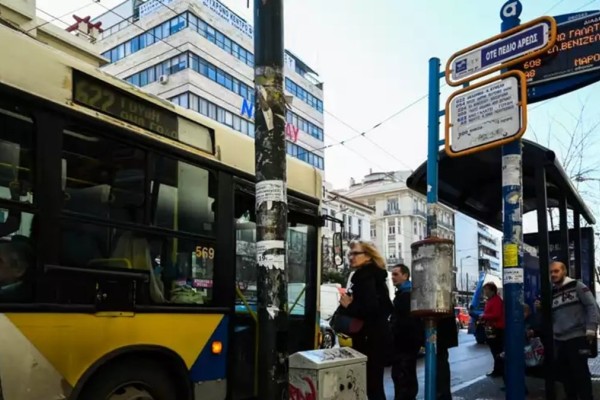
<point x="473" y="184"/>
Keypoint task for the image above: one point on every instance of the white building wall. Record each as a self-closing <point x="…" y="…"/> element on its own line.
<point x="189" y="40"/>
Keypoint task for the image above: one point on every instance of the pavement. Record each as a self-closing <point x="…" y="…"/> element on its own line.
<point x="469" y="362"/>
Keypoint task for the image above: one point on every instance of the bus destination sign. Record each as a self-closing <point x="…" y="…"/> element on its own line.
<point x="576" y="51"/>
<point x="103" y="97"/>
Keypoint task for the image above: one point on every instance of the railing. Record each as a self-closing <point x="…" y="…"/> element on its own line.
<point x="421" y="213"/>
<point x="445" y="225"/>
<point x="391" y="212"/>
<point x="394" y="260"/>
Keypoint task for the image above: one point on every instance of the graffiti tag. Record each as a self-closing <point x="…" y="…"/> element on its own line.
<point x="299" y="394"/>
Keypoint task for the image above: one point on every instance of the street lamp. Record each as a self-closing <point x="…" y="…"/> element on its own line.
<point x="462" y="287"/>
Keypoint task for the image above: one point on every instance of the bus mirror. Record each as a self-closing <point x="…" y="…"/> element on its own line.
<point x="338" y="255"/>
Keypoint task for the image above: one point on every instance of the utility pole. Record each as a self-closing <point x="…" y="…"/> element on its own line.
<point x="512" y="203"/>
<point x="271" y="200"/>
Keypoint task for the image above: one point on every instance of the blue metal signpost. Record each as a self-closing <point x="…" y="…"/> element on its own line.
<point x="513" y="273"/>
<point x="432" y="197"/>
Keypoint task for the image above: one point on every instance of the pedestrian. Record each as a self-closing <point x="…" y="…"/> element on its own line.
<point x="493" y="318"/>
<point x="575" y="322"/>
<point x="447" y="338"/>
<point x="368" y="300"/>
<point x="409" y="337"/>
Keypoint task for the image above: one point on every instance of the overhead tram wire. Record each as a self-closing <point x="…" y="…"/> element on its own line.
<point x="377" y="125"/>
<point x="54" y="18"/>
<point x="342" y="142"/>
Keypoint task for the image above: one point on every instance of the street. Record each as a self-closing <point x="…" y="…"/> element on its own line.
<point x="468" y="361"/>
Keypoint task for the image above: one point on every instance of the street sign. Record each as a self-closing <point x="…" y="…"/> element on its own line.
<point x="573" y="61"/>
<point x="488" y="114"/>
<point x="501" y="51"/>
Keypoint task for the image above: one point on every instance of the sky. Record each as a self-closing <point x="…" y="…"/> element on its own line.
<point x="373" y="59"/>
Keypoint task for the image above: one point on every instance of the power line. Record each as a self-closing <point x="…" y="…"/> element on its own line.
<point x="342" y="142"/>
<point x="377" y="125"/>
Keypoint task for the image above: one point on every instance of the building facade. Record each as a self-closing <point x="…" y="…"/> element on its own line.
<point x="356" y="218"/>
<point x="400" y="214"/>
<point x="477" y="249"/>
<point x="199" y="55"/>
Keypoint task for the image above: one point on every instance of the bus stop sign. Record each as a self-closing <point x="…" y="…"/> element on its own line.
<point x="486" y="115"/>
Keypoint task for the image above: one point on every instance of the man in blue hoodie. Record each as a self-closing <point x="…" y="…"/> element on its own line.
<point x="408" y="337"/>
<point x="575" y="322"/>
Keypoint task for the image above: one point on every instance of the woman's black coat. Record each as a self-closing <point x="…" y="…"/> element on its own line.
<point x="371" y="303"/>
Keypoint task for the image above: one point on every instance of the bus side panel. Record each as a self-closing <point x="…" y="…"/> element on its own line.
<point x="69" y="344"/>
<point x="25" y="373"/>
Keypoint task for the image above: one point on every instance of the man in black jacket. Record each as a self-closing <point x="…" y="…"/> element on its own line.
<point x="409" y="336"/>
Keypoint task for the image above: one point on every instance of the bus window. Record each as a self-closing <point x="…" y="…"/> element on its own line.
<point x="105" y="178"/>
<point x="183" y="197"/>
<point x="180" y="270"/>
<point x="17" y="259"/>
<point x="16" y="141"/>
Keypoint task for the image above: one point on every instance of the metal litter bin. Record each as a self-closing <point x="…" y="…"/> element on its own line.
<point x="329" y="374"/>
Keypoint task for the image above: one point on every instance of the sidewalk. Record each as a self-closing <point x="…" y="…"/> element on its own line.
<point x="484" y="388"/>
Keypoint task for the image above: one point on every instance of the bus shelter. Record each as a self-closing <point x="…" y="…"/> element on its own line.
<point x="472" y="185"/>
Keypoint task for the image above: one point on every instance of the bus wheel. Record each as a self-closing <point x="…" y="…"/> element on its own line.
<point x="137" y="379"/>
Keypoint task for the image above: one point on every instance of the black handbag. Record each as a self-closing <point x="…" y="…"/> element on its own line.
<point x="345" y="324"/>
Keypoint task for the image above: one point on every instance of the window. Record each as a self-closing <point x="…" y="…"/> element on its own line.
<point x="17" y="256"/>
<point x="373" y="231"/>
<point x="360" y="228"/>
<point x="16" y="156"/>
<point x="246" y="271"/>
<point x="303" y="95"/>
<point x="181" y="270"/>
<point x="415" y="228"/>
<point x="392" y="229"/>
<point x="184" y="197"/>
<point x="392" y="204"/>
<point x="103" y="178"/>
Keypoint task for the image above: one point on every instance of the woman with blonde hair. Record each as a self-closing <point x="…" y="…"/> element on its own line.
<point x="367" y="299"/>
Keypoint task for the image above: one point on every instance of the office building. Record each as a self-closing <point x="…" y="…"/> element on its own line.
<point x="400" y="214"/>
<point x="199" y="54"/>
<point x="477" y="249"/>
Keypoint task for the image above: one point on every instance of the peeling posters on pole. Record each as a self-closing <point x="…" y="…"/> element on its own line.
<point x="270" y="254"/>
<point x="270" y="191"/>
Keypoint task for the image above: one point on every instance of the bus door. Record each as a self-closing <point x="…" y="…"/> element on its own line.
<point x="302" y="298"/>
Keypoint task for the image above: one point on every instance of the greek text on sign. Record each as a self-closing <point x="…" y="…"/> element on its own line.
<point x="501" y="51"/>
<point x="514" y="275"/>
<point x="485" y="115"/>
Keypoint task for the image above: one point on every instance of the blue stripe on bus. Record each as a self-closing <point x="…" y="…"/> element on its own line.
<point x="209" y="366"/>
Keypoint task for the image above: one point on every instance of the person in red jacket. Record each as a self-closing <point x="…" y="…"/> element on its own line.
<point x="493" y="318"/>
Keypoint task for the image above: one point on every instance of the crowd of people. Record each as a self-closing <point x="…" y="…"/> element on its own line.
<point x="387" y="333"/>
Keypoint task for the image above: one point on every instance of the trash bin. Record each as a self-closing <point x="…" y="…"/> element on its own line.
<point x="328" y="374"/>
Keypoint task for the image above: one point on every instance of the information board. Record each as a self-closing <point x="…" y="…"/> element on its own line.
<point x="485" y="115"/>
<point x="576" y="51"/>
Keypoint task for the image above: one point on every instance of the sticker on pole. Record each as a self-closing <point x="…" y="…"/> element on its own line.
<point x="488" y="114"/>
<point x="513" y="275"/>
<point x="270" y="254"/>
<point x="510" y="254"/>
<point x="270" y="191"/>
<point x="501" y="51"/>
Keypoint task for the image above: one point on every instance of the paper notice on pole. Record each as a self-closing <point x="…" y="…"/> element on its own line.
<point x="270" y="254"/>
<point x="511" y="170"/>
<point x="510" y="255"/>
<point x="268" y="191"/>
<point x="513" y="275"/>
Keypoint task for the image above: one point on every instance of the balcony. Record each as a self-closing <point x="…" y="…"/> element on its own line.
<point x="391" y="237"/>
<point x="420" y="213"/>
<point x="446" y="225"/>
<point x="350" y="236"/>
<point x="391" y="211"/>
<point x="394" y="260"/>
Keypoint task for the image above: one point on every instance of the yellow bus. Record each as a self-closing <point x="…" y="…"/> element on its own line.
<point x="127" y="258"/>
